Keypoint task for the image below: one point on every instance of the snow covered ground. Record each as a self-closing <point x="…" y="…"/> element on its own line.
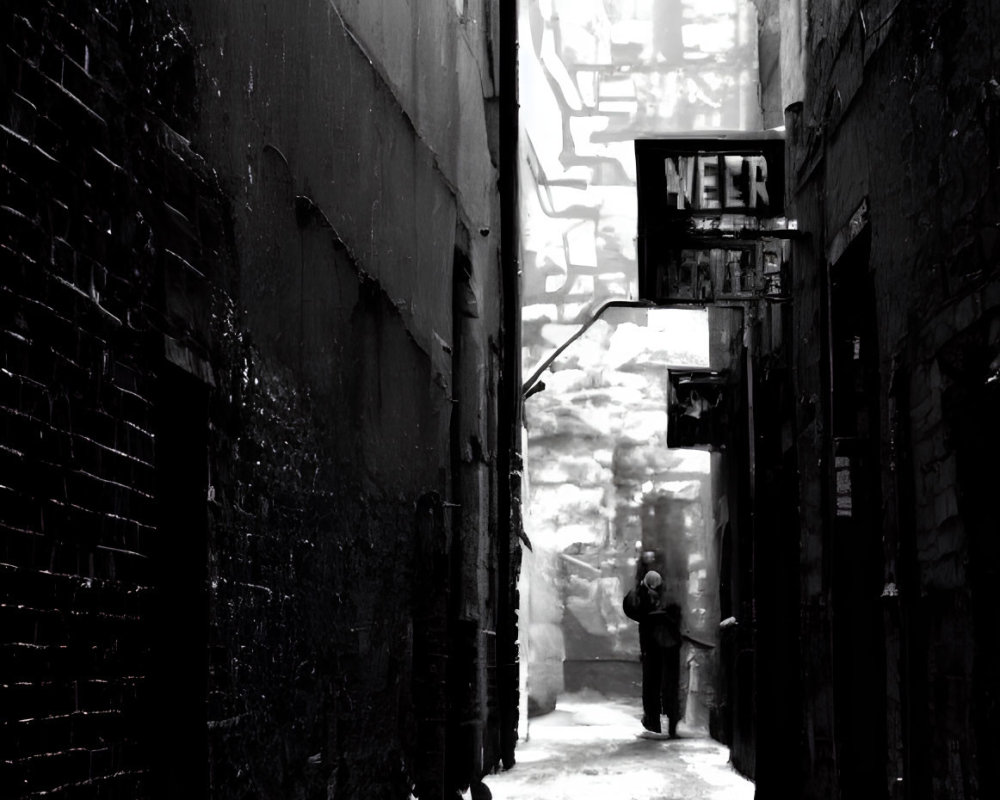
<point x="588" y="748"/>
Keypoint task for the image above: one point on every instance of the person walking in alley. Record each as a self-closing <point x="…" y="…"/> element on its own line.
<point x="659" y="619"/>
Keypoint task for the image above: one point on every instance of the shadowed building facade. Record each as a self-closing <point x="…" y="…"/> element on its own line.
<point x="258" y="424"/>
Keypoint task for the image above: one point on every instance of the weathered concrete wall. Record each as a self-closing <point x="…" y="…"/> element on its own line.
<point x="255" y="305"/>
<point x="900" y="112"/>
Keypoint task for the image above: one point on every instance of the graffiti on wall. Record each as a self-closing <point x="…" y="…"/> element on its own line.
<point x="597" y="74"/>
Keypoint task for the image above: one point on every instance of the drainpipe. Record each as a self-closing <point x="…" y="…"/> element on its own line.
<point x="509" y="406"/>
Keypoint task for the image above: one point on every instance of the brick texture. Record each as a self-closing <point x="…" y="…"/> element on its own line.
<point x="77" y="472"/>
<point x="217" y="577"/>
<point x="900" y="112"/>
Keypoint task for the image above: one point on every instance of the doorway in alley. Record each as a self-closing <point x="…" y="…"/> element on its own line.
<point x="972" y="367"/>
<point x="855" y="568"/>
<point x="177" y="696"/>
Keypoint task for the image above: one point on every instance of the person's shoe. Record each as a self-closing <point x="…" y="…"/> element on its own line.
<point x="672" y="729"/>
<point x="650" y="725"/>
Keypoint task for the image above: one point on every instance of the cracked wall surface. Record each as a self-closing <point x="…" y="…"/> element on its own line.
<point x="254" y="359"/>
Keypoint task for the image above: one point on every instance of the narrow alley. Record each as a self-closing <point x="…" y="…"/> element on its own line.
<point x="425" y="398"/>
<point x="589" y="747"/>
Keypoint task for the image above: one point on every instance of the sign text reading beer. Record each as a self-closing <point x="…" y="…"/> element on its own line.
<point x="716" y="182"/>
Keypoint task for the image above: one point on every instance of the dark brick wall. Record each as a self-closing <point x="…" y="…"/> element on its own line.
<point x="230" y="466"/>
<point x="80" y="515"/>
<point x="900" y="113"/>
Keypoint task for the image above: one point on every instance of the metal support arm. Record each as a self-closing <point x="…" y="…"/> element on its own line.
<point x="529" y="385"/>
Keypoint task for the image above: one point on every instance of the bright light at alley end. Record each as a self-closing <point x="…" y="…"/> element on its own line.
<point x="711" y="218"/>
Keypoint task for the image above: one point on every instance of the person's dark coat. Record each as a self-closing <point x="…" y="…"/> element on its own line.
<point x="660" y="644"/>
<point x="659" y="620"/>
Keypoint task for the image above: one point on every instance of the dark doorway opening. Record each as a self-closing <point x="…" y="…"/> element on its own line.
<point x="856" y="540"/>
<point x="971" y="405"/>
<point x="178" y="684"/>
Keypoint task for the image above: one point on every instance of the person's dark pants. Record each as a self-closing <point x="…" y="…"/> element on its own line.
<point x="660" y="686"/>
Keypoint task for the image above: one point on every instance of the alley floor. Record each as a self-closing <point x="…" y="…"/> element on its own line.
<point x="588" y="748"/>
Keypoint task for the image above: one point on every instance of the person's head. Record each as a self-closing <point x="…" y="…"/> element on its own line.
<point x="652" y="579"/>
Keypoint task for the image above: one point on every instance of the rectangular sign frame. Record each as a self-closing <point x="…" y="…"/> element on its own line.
<point x="713" y="191"/>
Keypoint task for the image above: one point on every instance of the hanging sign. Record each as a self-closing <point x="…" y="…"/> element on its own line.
<point x="696" y="409"/>
<point x="711" y="218"/>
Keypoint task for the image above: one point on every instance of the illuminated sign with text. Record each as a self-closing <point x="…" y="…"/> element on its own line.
<point x="716" y="182"/>
<point x="711" y="218"/>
